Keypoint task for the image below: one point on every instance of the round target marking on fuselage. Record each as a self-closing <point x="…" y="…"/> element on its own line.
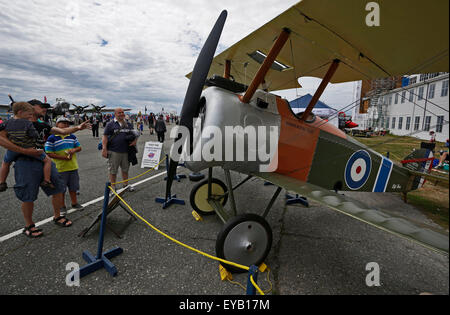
<point x="357" y="170"/>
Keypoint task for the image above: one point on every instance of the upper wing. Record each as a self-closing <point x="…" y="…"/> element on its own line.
<point x="420" y="233"/>
<point x="412" y="38"/>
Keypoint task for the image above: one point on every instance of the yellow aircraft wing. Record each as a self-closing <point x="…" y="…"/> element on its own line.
<point x="412" y="37"/>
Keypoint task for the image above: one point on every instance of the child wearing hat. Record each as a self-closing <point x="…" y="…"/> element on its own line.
<point x="62" y="150"/>
<point x="22" y="133"/>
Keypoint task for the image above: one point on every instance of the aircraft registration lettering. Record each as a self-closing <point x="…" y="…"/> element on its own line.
<point x="300" y="127"/>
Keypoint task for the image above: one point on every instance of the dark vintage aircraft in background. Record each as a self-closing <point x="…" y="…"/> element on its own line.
<point x="330" y="40"/>
<point x="62" y="107"/>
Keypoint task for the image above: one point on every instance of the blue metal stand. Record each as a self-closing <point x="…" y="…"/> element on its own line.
<point x="167" y="202"/>
<point x="102" y="260"/>
<point x="253" y="271"/>
<point x="297" y="199"/>
<point x="171" y="198"/>
<point x="176" y="176"/>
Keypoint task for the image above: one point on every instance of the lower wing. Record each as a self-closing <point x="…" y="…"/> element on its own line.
<point x="419" y="233"/>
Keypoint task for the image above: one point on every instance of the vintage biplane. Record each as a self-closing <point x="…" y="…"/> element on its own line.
<point x="330" y="40"/>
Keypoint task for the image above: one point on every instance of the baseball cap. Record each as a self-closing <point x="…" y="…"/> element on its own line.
<point x="63" y="119"/>
<point x="37" y="102"/>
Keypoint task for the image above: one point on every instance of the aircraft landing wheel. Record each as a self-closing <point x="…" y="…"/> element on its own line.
<point x="199" y="195"/>
<point x="245" y="239"/>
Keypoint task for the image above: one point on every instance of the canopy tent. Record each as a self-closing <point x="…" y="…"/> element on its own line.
<point x="321" y="109"/>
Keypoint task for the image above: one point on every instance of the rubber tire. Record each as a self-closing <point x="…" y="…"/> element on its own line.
<point x="195" y="177"/>
<point x="229" y="226"/>
<point x="196" y="188"/>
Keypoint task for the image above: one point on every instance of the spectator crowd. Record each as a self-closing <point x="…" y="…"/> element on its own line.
<point x="44" y="152"/>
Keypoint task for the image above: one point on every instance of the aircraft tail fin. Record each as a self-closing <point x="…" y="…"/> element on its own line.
<point x="419" y="161"/>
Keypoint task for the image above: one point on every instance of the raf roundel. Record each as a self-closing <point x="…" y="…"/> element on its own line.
<point x="357" y="170"/>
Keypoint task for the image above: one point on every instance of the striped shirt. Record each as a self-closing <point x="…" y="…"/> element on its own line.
<point x="59" y="144"/>
<point x="21" y="132"/>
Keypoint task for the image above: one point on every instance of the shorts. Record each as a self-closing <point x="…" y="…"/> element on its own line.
<point x="29" y="173"/>
<point x="116" y="159"/>
<point x="70" y="180"/>
<point x="11" y="156"/>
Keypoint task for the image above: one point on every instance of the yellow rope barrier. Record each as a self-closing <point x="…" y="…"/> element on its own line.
<point x="255" y="285"/>
<point x="174" y="240"/>
<point x="127" y="180"/>
<point x="267" y="279"/>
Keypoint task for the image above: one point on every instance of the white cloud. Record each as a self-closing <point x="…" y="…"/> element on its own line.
<point x="129" y="53"/>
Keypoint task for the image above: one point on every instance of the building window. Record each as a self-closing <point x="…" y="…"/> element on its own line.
<point x="440" y="123"/>
<point x="411" y="95"/>
<point x="416" y="122"/>
<point x="431" y="91"/>
<point x="393" y="122"/>
<point x="403" y="96"/>
<point x="444" y="91"/>
<point x="400" y="123"/>
<point x="387" y="123"/>
<point x="427" y="76"/>
<point x="390" y="98"/>
<point x="420" y="96"/>
<point x="412" y="80"/>
<point x="426" y="127"/>
<point x="408" y="123"/>
<point x="396" y="98"/>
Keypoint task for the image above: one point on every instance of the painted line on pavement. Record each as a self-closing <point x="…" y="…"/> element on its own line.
<point x="40" y="223"/>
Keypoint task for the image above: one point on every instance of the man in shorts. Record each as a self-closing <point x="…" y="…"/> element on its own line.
<point x="28" y="171"/>
<point x="117" y="137"/>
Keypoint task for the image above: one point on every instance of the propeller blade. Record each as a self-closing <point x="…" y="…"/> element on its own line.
<point x="195" y="87"/>
<point x="200" y="72"/>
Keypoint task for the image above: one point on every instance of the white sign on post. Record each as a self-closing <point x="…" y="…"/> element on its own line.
<point x="152" y="154"/>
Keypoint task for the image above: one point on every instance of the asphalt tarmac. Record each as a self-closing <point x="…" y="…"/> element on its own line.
<point x="314" y="251"/>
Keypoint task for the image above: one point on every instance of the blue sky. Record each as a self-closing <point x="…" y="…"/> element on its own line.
<point x="127" y="53"/>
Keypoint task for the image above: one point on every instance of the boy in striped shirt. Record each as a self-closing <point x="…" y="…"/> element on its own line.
<point x="62" y="149"/>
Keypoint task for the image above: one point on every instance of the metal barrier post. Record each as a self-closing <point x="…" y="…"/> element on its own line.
<point x="253" y="271"/>
<point x="170" y="199"/>
<point x="176" y="176"/>
<point x="102" y="259"/>
<point x="297" y="199"/>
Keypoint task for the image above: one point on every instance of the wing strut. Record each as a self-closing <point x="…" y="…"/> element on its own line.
<point x="226" y="73"/>
<point x="259" y="77"/>
<point x="326" y="79"/>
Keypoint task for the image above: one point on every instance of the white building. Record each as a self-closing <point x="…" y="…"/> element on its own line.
<point x="360" y="118"/>
<point x="415" y="109"/>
